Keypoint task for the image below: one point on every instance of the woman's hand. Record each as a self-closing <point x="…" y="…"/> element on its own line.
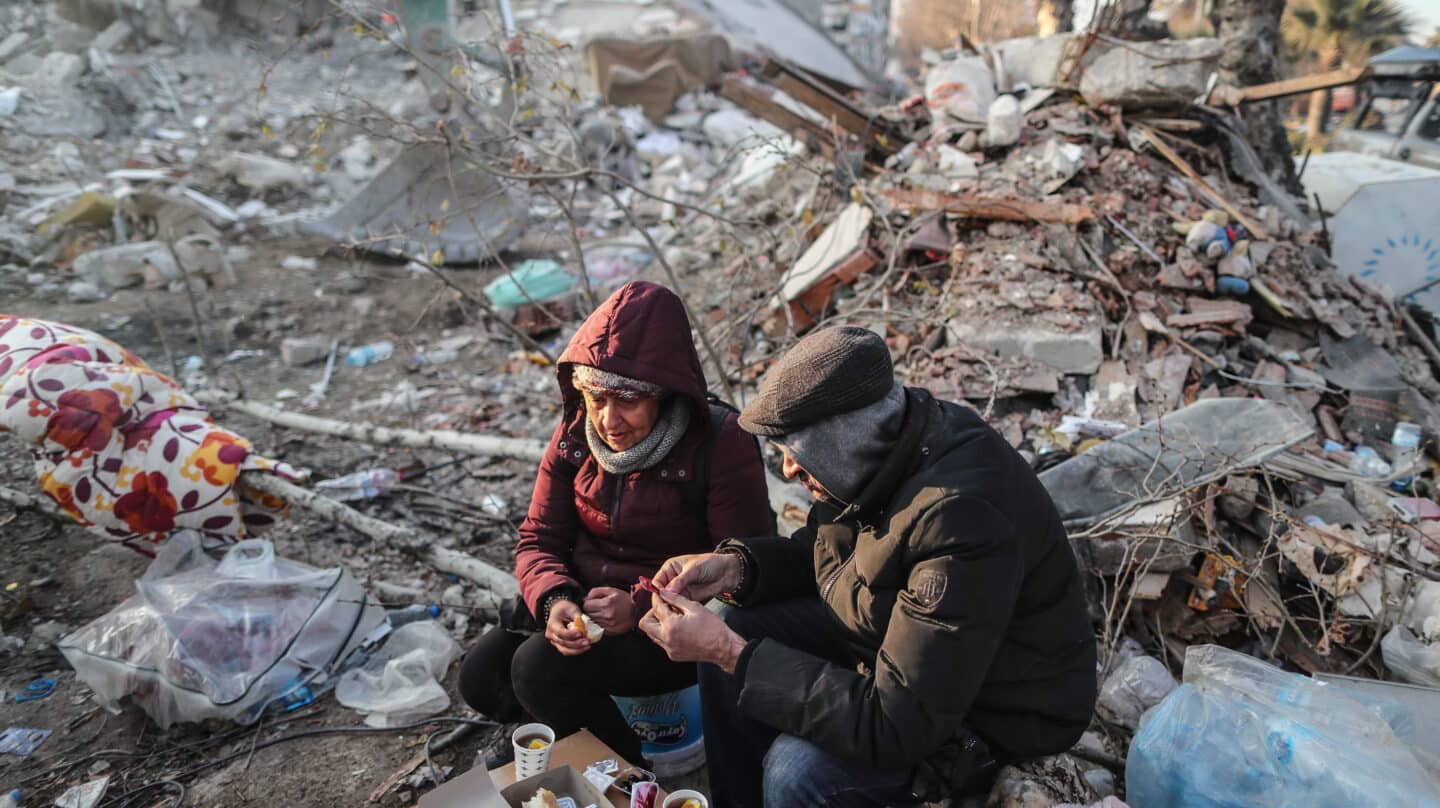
<point x="700" y="577"/>
<point x="560" y="630"/>
<point x="612" y="608"/>
<point x="690" y="632"/>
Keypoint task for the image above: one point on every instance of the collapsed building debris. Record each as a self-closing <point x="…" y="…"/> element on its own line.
<point x="1239" y="436"/>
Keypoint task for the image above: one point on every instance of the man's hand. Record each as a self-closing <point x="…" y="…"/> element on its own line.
<point x="560" y="631"/>
<point x="700" y="577"/>
<point x="611" y="608"/>
<point x="690" y="632"/>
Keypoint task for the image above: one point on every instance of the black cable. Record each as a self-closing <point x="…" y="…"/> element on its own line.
<point x="122" y="800"/>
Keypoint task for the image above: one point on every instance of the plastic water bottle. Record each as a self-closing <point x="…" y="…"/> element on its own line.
<point x="411" y="614"/>
<point x="370" y="354"/>
<point x="360" y="485"/>
<point x="436" y="357"/>
<point x="1368" y="463"/>
<point x="1405" y="445"/>
<point x="12" y="800"/>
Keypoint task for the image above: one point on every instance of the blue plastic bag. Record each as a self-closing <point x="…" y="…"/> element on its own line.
<point x="1240" y="732"/>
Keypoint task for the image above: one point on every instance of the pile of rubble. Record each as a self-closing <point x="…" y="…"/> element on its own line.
<point x="1059" y="231"/>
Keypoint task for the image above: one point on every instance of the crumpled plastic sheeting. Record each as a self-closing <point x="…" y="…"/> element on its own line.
<point x="122" y="449"/>
<point x="201" y="639"/>
<point x="1186" y="448"/>
<point x="399" y="684"/>
<point x="1240" y="732"/>
<point x="1412" y="648"/>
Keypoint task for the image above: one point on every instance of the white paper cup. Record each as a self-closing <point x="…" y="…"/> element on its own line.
<point x="530" y="762"/>
<point x="678" y="798"/>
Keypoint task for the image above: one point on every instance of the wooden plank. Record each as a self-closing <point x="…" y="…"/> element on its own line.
<point x="1256" y="231"/>
<point x="1234" y="96"/>
<point x="978" y="206"/>
<point x="766" y="108"/>
<point x="832" y="105"/>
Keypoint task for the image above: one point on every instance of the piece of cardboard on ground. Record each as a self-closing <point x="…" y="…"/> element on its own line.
<point x="480" y="789"/>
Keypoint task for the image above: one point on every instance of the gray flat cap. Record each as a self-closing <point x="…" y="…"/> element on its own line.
<point x="831" y="371"/>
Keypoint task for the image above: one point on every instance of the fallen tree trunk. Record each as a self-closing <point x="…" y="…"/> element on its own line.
<point x="497" y="583"/>
<point x="30" y="502"/>
<point x="518" y="448"/>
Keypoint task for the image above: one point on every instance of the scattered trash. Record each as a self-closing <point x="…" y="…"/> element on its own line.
<point x="370" y="354"/>
<point x="1138" y="683"/>
<point x="529" y="282"/>
<point x="84" y="796"/>
<point x="1239" y="731"/>
<point x="359" y="485"/>
<point x="202" y="639"/>
<point x="398" y="684"/>
<point x="36" y="690"/>
<point x="21" y="740"/>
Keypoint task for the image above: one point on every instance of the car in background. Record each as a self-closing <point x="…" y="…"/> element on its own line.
<point x="1397" y="109"/>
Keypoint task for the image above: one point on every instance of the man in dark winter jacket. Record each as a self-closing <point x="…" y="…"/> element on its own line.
<point x="926" y="626"/>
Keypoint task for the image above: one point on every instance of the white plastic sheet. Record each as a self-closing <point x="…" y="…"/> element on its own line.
<point x="201" y="639"/>
<point x="398" y="684"/>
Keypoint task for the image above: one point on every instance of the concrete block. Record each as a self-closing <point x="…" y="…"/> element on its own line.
<point x="1144" y="74"/>
<point x="125" y="265"/>
<point x="298" y="351"/>
<point x="1072" y="352"/>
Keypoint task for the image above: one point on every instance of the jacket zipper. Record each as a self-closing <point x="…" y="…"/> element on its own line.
<point x="615" y="509"/>
<point x="835" y="576"/>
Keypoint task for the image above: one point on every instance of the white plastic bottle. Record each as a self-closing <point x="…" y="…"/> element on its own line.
<point x="360" y="485"/>
<point x="370" y="354"/>
<point x="1405" y="445"/>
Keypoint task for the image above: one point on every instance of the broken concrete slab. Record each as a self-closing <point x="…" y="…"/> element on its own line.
<point x="12" y="44"/>
<point x="1076" y="351"/>
<point x="260" y="173"/>
<point x="116" y="35"/>
<point x="1166" y="73"/>
<point x="112" y="268"/>
<point x="61" y="70"/>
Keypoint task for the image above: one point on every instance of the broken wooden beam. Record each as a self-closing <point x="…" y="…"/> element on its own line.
<point x="977" y="206"/>
<point x="486" y="445"/>
<point x="1235" y="96"/>
<point x="763" y="106"/>
<point x="1256" y="231"/>
<point x="1212" y="312"/>
<point x="832" y="105"/>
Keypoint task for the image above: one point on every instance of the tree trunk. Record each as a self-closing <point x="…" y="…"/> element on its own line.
<point x="1319" y="109"/>
<point x="1249" y="32"/>
<point x="1055" y="17"/>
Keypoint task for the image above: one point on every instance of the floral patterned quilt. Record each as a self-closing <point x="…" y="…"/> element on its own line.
<point x="121" y="448"/>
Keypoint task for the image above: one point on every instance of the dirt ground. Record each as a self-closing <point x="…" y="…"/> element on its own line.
<point x="57" y="578"/>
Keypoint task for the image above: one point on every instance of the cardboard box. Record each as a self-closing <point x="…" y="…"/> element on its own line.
<point x="497" y="789"/>
<point x="480" y="791"/>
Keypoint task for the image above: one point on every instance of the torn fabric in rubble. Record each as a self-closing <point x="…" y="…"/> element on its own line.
<point x="121" y="448"/>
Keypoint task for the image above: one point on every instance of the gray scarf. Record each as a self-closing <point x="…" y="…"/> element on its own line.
<point x="844" y="451"/>
<point x="669" y="428"/>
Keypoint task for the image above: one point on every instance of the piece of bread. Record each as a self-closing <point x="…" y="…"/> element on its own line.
<point x="543" y="798"/>
<point x="593" y="631"/>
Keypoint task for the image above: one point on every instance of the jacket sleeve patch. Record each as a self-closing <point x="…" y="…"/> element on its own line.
<point x="928" y="587"/>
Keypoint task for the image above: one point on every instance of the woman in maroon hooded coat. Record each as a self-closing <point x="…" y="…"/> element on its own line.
<point x="620" y="490"/>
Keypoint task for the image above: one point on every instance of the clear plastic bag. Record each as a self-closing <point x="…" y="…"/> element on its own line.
<point x="1137" y="684"/>
<point x="398" y="684"/>
<point x="201" y="639"/>
<point x="1412" y="649"/>
<point x="1240" y="732"/>
<point x="1411" y="658"/>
